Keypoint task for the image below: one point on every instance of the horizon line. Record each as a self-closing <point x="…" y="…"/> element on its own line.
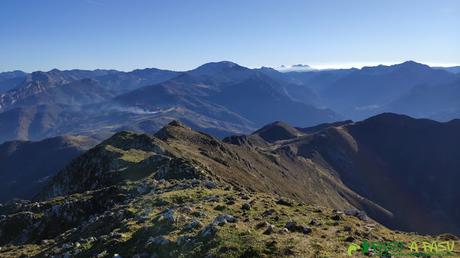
<point x="313" y="67"/>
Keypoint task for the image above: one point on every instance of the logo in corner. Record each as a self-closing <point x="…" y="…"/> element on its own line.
<point x="352" y="248"/>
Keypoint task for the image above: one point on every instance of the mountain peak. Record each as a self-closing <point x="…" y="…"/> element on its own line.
<point x="276" y="131"/>
<point x="173" y="130"/>
<point x="388" y="116"/>
<point x="177" y="123"/>
<point x="392" y="120"/>
<point x="216" y="67"/>
<point x="411" y="63"/>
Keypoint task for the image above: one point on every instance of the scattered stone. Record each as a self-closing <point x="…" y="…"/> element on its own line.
<point x="283" y="201"/>
<point x="294" y="227"/>
<point x="246" y="206"/>
<point x="116" y="235"/>
<point x="336" y="217"/>
<point x="262" y="224"/>
<point x="169" y="216"/>
<point x="46" y="241"/>
<point x="306" y="230"/>
<point x="199" y="214"/>
<point x="224" y="219"/>
<point x="210" y="184"/>
<point x="66" y="246"/>
<point x="182" y="218"/>
<point x="186" y="209"/>
<point x="230" y="202"/>
<point x="291" y="225"/>
<point x="270" y="230"/>
<point x="182" y="240"/>
<point x="194" y="224"/>
<point x="314" y="222"/>
<point x="219" y="207"/>
<point x="244" y="197"/>
<point x="209" y="230"/>
<point x="349" y="239"/>
<point x="284" y="231"/>
<point x="159" y="240"/>
<point x="268" y="212"/>
<point x="212" y="198"/>
<point x="358" y="214"/>
<point x="347" y="229"/>
<point x="142" y="188"/>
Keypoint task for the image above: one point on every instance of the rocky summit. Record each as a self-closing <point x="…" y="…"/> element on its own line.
<point x="183" y="193"/>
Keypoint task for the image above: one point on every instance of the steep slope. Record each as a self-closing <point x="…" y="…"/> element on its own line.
<point x="320" y="127"/>
<point x="26" y="166"/>
<point x="374" y="165"/>
<point x="261" y="99"/>
<point x="276" y="131"/>
<point x="182" y="193"/>
<point x="262" y="170"/>
<point x="408" y="166"/>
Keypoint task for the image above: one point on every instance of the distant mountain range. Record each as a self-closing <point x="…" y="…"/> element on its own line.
<point x="221" y="98"/>
<point x="227" y="160"/>
<point x="360" y="93"/>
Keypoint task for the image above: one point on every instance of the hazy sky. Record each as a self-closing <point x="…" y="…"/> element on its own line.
<point x="180" y="35"/>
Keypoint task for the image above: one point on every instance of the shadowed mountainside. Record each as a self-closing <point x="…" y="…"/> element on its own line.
<point x="26" y="166"/>
<point x="183" y="192"/>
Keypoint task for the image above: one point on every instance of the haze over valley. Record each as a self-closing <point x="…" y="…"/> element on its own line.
<point x="171" y="129"/>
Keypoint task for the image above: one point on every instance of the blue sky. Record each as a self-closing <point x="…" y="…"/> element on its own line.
<point x="180" y="35"/>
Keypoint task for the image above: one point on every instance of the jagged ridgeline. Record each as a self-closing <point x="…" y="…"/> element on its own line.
<point x="281" y="191"/>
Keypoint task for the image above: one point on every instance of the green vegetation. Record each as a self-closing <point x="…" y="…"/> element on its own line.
<point x="178" y="219"/>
